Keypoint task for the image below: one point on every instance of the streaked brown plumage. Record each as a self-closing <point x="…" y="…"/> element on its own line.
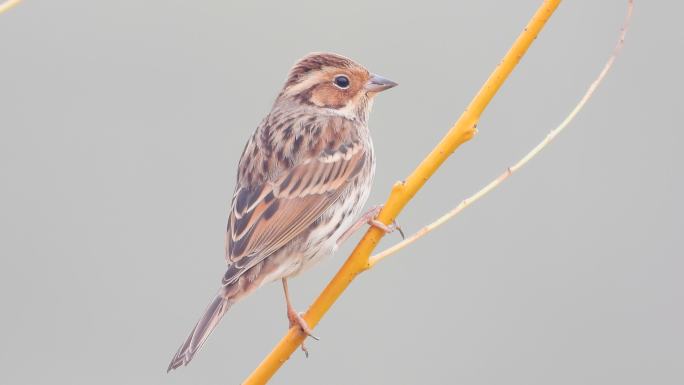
<point x="303" y="178"/>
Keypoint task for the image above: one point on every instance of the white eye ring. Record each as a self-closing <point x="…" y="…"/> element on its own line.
<point x="341" y="81"/>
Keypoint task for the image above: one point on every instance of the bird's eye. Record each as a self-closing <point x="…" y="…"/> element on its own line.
<point x="341" y="81"/>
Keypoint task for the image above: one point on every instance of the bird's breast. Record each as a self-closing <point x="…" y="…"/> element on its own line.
<point x="322" y="239"/>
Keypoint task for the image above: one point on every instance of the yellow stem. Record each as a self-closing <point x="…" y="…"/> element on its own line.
<point x="8" y="4"/>
<point x="509" y="171"/>
<point x="402" y="192"/>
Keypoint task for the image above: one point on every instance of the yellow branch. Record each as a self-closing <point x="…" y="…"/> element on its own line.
<point x="402" y="192"/>
<point x="8" y="4"/>
<point x="523" y="161"/>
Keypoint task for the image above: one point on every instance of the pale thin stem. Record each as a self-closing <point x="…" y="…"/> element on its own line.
<point x="509" y="171"/>
<point x="8" y="4"/>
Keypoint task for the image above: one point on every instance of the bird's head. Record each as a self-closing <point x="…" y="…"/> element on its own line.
<point x="333" y="83"/>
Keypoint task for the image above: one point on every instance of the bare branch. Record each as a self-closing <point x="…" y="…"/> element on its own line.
<point x="509" y="171"/>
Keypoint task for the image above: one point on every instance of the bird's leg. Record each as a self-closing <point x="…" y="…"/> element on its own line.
<point x="369" y="217"/>
<point x="295" y="318"/>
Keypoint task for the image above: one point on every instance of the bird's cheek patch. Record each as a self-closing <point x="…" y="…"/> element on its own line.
<point x="329" y="98"/>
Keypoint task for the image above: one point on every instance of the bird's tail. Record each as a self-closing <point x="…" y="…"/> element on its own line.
<point x="212" y="316"/>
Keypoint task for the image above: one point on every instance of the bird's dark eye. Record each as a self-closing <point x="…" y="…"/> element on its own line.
<point x="341" y="81"/>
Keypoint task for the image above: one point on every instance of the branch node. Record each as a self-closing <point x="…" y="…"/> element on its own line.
<point x="398" y="185"/>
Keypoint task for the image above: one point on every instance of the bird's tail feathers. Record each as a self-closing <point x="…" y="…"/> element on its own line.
<point x="212" y="316"/>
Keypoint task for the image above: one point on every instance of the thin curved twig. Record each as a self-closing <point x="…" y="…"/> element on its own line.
<point x="509" y="171"/>
<point x="4" y="7"/>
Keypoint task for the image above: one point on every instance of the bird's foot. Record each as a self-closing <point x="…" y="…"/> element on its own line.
<point x="296" y="319"/>
<point x="387" y="229"/>
<point x="371" y="219"/>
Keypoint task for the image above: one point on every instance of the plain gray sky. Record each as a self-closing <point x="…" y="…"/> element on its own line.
<point x="121" y="124"/>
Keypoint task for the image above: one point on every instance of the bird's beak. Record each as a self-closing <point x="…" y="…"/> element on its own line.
<point x="377" y="83"/>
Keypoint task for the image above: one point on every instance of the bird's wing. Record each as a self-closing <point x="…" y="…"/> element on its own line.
<point x="266" y="217"/>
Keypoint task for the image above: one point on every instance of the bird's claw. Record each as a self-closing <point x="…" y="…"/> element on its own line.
<point x="296" y="319"/>
<point x="387" y="229"/>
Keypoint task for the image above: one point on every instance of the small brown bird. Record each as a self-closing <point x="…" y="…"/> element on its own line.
<point x="303" y="179"/>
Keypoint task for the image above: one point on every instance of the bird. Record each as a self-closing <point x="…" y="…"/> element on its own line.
<point x="303" y="179"/>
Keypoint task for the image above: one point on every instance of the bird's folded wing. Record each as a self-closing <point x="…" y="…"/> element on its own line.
<point x="265" y="218"/>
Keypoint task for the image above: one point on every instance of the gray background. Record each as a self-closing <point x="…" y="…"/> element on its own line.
<point x="122" y="123"/>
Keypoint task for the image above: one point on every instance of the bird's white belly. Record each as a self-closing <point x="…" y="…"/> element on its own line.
<point x="321" y="243"/>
